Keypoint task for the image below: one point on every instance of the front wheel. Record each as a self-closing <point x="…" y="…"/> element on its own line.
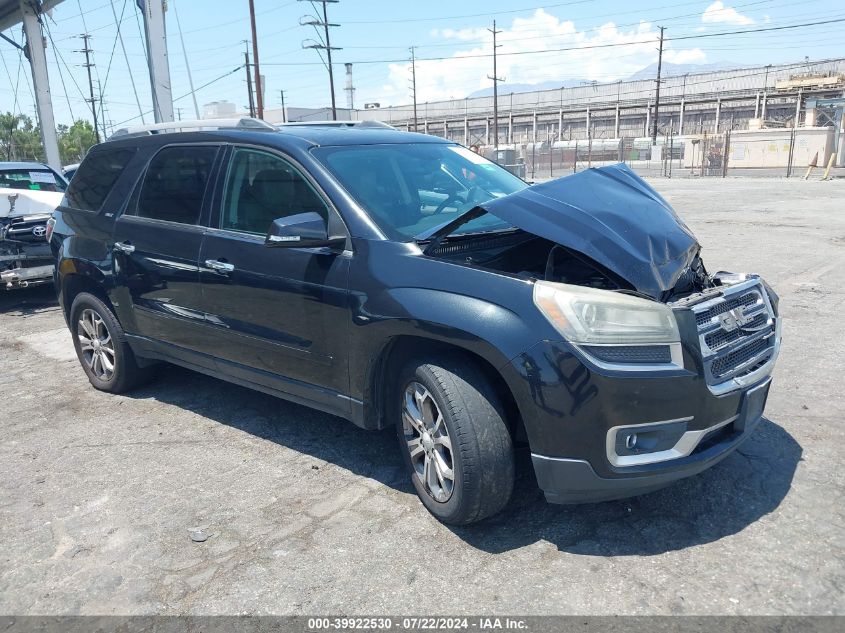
<point x="454" y="440"/>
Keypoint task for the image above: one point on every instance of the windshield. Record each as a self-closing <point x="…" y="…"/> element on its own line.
<point x="409" y="188"/>
<point x="31" y="179"/>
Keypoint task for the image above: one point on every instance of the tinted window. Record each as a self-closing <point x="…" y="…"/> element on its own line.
<point x="175" y="183"/>
<point x="262" y="187"/>
<point x="410" y="188"/>
<point x="31" y="179"/>
<point x="95" y="178"/>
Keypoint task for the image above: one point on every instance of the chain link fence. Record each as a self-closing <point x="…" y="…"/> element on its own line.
<point x="776" y="153"/>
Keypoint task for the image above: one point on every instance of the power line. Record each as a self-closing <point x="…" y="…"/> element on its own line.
<point x="113" y="48"/>
<point x="187" y="94"/>
<point x="471" y="15"/>
<point x="187" y="64"/>
<point x="579" y="48"/>
<point x="125" y="56"/>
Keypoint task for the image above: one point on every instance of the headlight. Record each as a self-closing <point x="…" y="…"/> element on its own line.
<point x="600" y="317"/>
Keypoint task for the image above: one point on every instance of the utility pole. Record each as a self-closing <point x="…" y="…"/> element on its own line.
<point x="249" y="81"/>
<point x="326" y="44"/>
<point x="496" y="79"/>
<point x="259" y="97"/>
<point x="87" y="65"/>
<point x="34" y="49"/>
<point x="657" y="92"/>
<point x="157" y="59"/>
<point x="284" y="113"/>
<point x="179" y="113"/>
<point x="414" y="82"/>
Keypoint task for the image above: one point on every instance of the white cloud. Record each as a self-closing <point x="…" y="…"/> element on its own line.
<point x="718" y="13"/>
<point x="541" y="34"/>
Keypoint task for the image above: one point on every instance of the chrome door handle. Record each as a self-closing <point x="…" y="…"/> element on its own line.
<point x="220" y="267"/>
<point x="124" y="247"/>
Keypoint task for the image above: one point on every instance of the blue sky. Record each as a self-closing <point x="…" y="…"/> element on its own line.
<point x="375" y="36"/>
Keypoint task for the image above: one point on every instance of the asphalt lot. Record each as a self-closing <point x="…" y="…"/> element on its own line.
<point x="308" y="514"/>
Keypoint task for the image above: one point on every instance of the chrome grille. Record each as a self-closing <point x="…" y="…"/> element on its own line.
<point x="726" y="306"/>
<point x="718" y="339"/>
<point x="736" y="332"/>
<point x="724" y="364"/>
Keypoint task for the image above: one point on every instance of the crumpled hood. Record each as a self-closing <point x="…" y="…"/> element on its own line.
<point x="612" y="216"/>
<point x="28" y="202"/>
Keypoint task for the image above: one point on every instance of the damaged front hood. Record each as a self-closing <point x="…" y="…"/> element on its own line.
<point x="612" y="216"/>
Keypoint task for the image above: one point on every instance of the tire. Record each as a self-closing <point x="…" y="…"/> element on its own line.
<point x="116" y="370"/>
<point x="467" y="417"/>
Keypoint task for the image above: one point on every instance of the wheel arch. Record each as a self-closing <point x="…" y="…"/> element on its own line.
<point x="401" y="349"/>
<point x="77" y="279"/>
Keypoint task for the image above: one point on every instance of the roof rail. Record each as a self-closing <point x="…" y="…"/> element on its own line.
<point x="198" y="125"/>
<point x="367" y="124"/>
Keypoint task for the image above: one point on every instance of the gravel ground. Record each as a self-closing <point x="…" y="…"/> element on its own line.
<point x="307" y="514"/>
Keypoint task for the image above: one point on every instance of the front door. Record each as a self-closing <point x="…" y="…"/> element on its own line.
<point x="156" y="246"/>
<point x="281" y="315"/>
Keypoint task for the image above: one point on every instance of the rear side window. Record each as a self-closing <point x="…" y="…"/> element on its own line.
<point x="95" y="178"/>
<point x="175" y="183"/>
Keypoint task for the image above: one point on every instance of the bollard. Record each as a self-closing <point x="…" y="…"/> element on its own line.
<point x="813" y="163"/>
<point x="829" y="166"/>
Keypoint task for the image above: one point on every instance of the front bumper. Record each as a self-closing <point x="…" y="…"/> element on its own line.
<point x="566" y="480"/>
<point x="601" y="432"/>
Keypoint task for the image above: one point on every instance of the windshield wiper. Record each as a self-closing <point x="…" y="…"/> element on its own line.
<point x="437" y="233"/>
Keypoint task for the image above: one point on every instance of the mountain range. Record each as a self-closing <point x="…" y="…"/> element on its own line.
<point x="649" y="72"/>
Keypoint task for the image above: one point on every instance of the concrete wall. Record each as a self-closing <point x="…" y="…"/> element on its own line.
<point x="765" y="148"/>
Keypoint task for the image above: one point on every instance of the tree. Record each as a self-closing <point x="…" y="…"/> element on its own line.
<point x="74" y="141"/>
<point x="19" y="138"/>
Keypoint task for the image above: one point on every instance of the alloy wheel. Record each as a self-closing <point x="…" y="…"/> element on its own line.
<point x="96" y="344"/>
<point x="428" y="442"/>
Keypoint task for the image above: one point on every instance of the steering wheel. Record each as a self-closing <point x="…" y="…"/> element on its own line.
<point x="452" y="197"/>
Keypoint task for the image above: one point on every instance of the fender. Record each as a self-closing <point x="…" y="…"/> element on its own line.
<point x="489" y="330"/>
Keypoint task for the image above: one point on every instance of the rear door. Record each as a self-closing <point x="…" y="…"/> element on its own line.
<point x="156" y="246"/>
<point x="280" y="315"/>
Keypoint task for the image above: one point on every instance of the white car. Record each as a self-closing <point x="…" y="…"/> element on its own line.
<point x="29" y="193"/>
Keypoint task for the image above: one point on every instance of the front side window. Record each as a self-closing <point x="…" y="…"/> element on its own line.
<point x="96" y="177"/>
<point x="409" y="188"/>
<point x="175" y="183"/>
<point x="38" y="179"/>
<point x="261" y="188"/>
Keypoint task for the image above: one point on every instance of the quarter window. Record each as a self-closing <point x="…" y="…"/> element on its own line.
<point x="261" y="188"/>
<point x="175" y="184"/>
<point x="96" y="177"/>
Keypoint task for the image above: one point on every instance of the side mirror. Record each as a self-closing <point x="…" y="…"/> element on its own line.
<point x="303" y="230"/>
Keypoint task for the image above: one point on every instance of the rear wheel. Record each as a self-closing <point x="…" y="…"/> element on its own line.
<point x="101" y="346"/>
<point x="454" y="440"/>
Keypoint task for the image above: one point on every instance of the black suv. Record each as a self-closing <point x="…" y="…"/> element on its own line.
<point x="398" y="279"/>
